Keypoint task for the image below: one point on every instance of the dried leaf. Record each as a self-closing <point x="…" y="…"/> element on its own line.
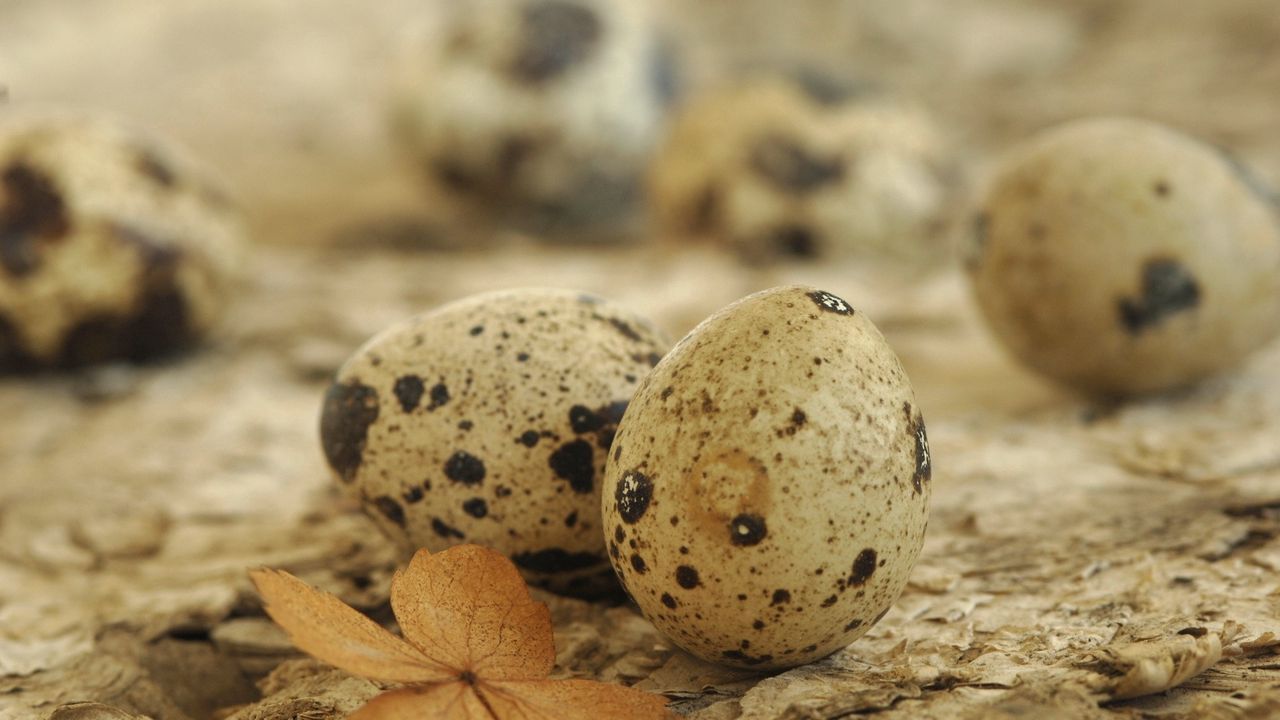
<point x="477" y="645"/>
<point x="468" y="608"/>
<point x="323" y="626"/>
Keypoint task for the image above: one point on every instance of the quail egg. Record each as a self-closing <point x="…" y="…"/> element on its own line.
<point x="112" y="245"/>
<point x="488" y="421"/>
<point x="1120" y="257"/>
<point x="783" y="169"/>
<point x="545" y="110"/>
<point x="768" y="489"/>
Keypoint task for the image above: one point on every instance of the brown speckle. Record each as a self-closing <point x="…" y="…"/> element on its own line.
<point x="349" y="409"/>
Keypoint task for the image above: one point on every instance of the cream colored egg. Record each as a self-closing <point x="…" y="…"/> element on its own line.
<point x="540" y="108"/>
<point x="488" y="421"/>
<point x="768" y="490"/>
<point x="1118" y="256"/>
<point x="112" y="245"/>
<point x="776" y="172"/>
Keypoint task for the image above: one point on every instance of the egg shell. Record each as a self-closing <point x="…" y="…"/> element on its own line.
<point x="113" y="246"/>
<point x="536" y="106"/>
<point x="769" y="486"/>
<point x="1119" y="257"/>
<point x="488" y="421"/>
<point x="773" y="172"/>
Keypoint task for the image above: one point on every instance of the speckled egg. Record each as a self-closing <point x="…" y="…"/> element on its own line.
<point x="768" y="490"/>
<point x="488" y="421"/>
<point x="545" y="109"/>
<point x="112" y="245"/>
<point x="777" y="168"/>
<point x="1119" y="257"/>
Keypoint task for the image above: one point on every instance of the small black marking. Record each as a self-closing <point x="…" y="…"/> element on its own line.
<point x="779" y="597"/>
<point x="794" y="241"/>
<point x="349" y="409"/>
<point x="571" y="519"/>
<point x="747" y="529"/>
<point x="619" y="534"/>
<point x="632" y="495"/>
<point x="476" y="507"/>
<point x="464" y="467"/>
<point x="853" y="624"/>
<point x="687" y="577"/>
<point x="390" y="508"/>
<point x="582" y="419"/>
<point x="522" y="356"/>
<point x="465" y="425"/>
<point x="669" y="601"/>
<point x="758" y="625"/>
<point x="638" y="564"/>
<point x="556" y="560"/>
<point x="153" y="167"/>
<point x="439" y="396"/>
<point x="446" y="531"/>
<point x="924" y="462"/>
<point x="1167" y="289"/>
<point x="476" y="330"/>
<point x="575" y="462"/>
<point x="745" y="659"/>
<point x="32" y="212"/>
<point x="829" y="601"/>
<point x="529" y="438"/>
<point x="864" y="566"/>
<point x="625" y="328"/>
<point x="408" y="390"/>
<point x="830" y="303"/>
<point x="413" y="494"/>
<point x="791" y="168"/>
<point x="555" y="35"/>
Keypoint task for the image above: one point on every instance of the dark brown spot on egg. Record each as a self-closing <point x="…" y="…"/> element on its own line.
<point x="439" y="396"/>
<point x="687" y="577"/>
<point x="780" y="596"/>
<point x="476" y="330"/>
<point x="632" y="496"/>
<point x="745" y="659"/>
<point x="413" y="495"/>
<point x="571" y="519"/>
<point x="476" y="507"/>
<point x="830" y="303"/>
<point x="924" y="464"/>
<point x="758" y="625"/>
<point x="575" y="462"/>
<point x="747" y="529"/>
<point x="791" y="168"/>
<point x="1162" y="188"/>
<point x="624" y="327"/>
<point x="669" y="601"/>
<point x="864" y="566"/>
<point x="619" y="534"/>
<point x="408" y="390"/>
<point x="853" y="625"/>
<point x="153" y="167"/>
<point x="555" y="35"/>
<point x="638" y="564"/>
<point x="390" y="509"/>
<point x="349" y="409"/>
<point x="829" y="601"/>
<point x="1168" y="288"/>
<point x="445" y="530"/>
<point x="794" y="241"/>
<point x="556" y="560"/>
<point x="465" y="468"/>
<point x="32" y="212"/>
<point x="528" y="438"/>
